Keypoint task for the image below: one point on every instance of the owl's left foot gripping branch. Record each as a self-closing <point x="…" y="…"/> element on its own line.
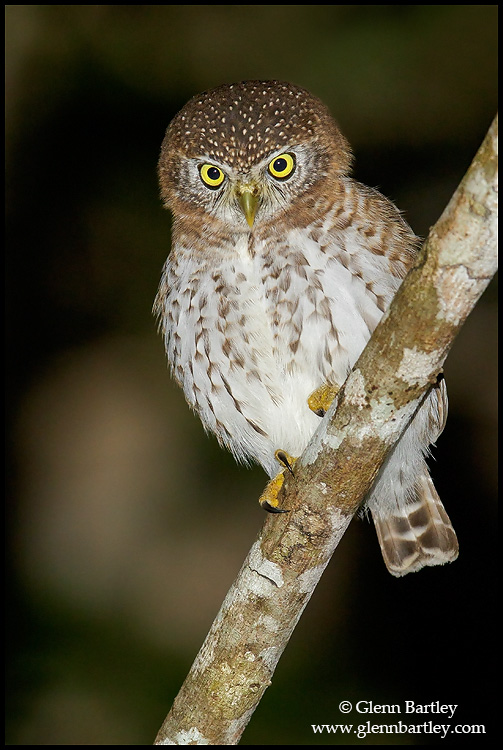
<point x="319" y="402"/>
<point x="269" y="498"/>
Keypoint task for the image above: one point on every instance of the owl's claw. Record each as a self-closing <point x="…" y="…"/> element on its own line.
<point x="271" y="509"/>
<point x="320" y="399"/>
<point x="286" y="460"/>
<point x="269" y="498"/>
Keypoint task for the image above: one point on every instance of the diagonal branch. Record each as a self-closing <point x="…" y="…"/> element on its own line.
<point x="401" y="362"/>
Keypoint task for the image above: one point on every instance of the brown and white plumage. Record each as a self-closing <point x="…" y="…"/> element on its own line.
<point x="281" y="267"/>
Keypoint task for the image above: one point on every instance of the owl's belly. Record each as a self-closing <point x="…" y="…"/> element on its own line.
<point x="249" y="345"/>
<point x="246" y="384"/>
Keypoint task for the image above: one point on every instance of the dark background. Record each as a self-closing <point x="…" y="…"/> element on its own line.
<point x="126" y="524"/>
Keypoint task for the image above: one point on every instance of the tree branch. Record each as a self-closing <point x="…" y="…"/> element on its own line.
<point x="392" y="376"/>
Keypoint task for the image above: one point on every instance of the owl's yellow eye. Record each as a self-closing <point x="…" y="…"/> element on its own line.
<point x="211" y="176"/>
<point x="282" y="166"/>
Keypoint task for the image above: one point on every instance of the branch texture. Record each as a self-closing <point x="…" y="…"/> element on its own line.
<point x="400" y="364"/>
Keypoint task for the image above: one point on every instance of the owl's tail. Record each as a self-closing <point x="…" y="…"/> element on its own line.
<point x="417" y="534"/>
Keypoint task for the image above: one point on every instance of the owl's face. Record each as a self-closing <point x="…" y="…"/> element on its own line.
<point x="238" y="196"/>
<point x="243" y="154"/>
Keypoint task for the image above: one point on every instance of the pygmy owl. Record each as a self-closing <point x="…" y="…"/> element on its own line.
<point x="280" y="269"/>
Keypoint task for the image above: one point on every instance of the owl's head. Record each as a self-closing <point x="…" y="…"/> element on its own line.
<point x="245" y="153"/>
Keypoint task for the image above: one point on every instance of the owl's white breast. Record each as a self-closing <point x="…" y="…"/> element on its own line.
<point x="254" y="328"/>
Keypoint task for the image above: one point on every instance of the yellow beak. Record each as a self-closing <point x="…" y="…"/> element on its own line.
<point x="249" y="201"/>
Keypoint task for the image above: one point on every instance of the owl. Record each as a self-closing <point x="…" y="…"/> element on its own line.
<point x="281" y="267"/>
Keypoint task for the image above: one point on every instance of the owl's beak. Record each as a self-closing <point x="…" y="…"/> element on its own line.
<point x="249" y="200"/>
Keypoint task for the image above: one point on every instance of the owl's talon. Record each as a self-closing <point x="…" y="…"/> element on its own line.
<point x="286" y="460"/>
<point x="271" y="509"/>
<point x="319" y="401"/>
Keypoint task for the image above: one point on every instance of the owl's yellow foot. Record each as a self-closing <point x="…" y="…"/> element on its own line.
<point x="321" y="398"/>
<point x="269" y="498"/>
